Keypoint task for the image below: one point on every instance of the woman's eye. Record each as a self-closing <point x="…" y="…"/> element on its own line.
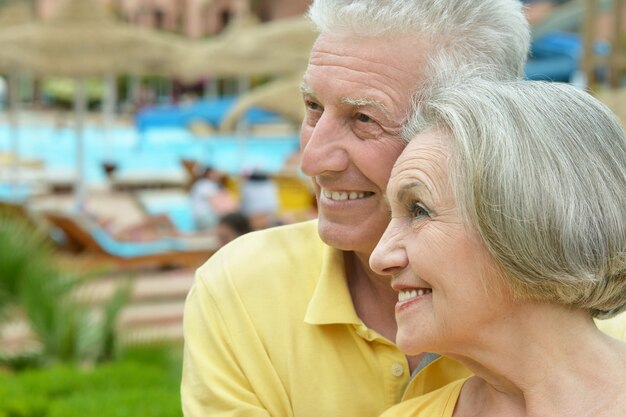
<point x="417" y="210"/>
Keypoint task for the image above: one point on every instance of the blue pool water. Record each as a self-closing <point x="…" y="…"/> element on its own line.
<point x="156" y="150"/>
<point x="176" y="206"/>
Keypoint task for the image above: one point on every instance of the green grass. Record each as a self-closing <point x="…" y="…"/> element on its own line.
<point x="143" y="382"/>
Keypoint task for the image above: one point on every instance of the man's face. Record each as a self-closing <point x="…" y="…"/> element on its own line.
<point x="357" y="95"/>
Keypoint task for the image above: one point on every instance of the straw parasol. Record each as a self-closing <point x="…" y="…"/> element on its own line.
<point x="275" y="48"/>
<point x="281" y="96"/>
<point x="15" y="13"/>
<point x="83" y="40"/>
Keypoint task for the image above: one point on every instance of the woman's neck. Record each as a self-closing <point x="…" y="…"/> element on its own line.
<point x="542" y="360"/>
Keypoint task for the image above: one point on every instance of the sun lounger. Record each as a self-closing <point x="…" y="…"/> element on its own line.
<point x="132" y="181"/>
<point x="18" y="211"/>
<point x="98" y="243"/>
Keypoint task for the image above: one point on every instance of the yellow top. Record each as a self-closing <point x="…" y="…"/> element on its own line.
<point x="441" y="402"/>
<point x="438" y="403"/>
<point x="270" y="330"/>
<point x="614" y="327"/>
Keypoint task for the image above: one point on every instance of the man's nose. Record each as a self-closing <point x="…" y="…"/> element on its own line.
<point x="324" y="146"/>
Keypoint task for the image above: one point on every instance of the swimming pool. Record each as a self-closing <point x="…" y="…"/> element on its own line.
<point x="156" y="150"/>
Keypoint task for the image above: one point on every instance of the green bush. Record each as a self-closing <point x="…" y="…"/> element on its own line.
<point x="32" y="281"/>
<point x="144" y="383"/>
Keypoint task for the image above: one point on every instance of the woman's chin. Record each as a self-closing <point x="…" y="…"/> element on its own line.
<point x="411" y="344"/>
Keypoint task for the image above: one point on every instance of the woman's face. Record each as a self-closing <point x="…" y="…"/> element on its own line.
<point x="447" y="283"/>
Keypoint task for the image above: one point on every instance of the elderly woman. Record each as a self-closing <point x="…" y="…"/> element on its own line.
<point x="508" y="236"/>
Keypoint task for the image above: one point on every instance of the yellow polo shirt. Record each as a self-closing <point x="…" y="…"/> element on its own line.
<point x="270" y="330"/>
<point x="438" y="403"/>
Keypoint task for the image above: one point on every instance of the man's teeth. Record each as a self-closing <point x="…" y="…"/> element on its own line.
<point x="342" y="195"/>
<point x="407" y="295"/>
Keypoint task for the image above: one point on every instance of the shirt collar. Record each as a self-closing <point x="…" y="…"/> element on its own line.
<point x="331" y="302"/>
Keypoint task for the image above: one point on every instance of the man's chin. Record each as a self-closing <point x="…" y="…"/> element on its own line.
<point x="346" y="236"/>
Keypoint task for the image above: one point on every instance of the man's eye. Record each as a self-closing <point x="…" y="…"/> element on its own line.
<point x="311" y="105"/>
<point x="363" y="118"/>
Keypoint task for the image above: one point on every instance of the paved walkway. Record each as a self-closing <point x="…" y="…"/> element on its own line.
<point x="153" y="314"/>
<point x="155" y="310"/>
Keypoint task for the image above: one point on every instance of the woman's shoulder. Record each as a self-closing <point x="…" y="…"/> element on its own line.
<point x="438" y="403"/>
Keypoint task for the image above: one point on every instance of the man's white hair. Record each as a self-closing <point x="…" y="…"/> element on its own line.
<point x="480" y="33"/>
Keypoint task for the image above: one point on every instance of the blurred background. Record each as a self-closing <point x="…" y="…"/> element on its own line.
<point x="139" y="136"/>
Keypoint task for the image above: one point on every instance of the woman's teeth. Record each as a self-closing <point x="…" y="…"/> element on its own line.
<point x="342" y="195"/>
<point x="407" y="295"/>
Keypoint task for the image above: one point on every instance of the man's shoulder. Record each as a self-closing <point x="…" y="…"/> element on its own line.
<point x="270" y="272"/>
<point x="268" y="254"/>
<point x="281" y="243"/>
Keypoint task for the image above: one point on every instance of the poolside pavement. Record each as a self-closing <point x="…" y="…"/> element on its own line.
<point x="155" y="309"/>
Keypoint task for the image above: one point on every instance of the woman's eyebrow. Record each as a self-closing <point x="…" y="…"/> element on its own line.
<point x="409" y="188"/>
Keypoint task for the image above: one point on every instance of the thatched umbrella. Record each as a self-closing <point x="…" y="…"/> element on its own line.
<point x="80" y="41"/>
<point x="281" y="96"/>
<point x="275" y="48"/>
<point x="15" y="13"/>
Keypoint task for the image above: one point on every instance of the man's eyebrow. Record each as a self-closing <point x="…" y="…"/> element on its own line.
<point x="305" y="89"/>
<point x="361" y="102"/>
<point x="350" y="101"/>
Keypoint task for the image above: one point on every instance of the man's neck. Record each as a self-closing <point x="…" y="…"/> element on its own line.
<point x="372" y="296"/>
<point x="374" y="300"/>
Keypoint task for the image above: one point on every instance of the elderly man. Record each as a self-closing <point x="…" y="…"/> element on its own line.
<point x="291" y="321"/>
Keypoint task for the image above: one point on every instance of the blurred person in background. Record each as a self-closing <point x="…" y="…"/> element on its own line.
<point x="230" y="226"/>
<point x="260" y="200"/>
<point x="210" y="198"/>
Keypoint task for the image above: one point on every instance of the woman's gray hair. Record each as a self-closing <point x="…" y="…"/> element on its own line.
<point x="539" y="169"/>
<point x="458" y="32"/>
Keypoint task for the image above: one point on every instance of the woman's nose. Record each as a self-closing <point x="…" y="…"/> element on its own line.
<point x="389" y="256"/>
